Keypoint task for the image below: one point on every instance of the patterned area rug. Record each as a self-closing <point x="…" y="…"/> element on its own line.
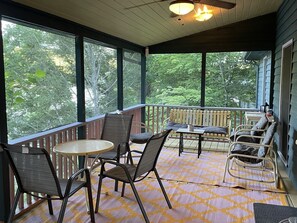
<point x="194" y="187"/>
<point x="209" y="170"/>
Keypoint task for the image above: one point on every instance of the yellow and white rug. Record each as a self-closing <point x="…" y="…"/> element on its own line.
<point x="194" y="187"/>
<point x="209" y="170"/>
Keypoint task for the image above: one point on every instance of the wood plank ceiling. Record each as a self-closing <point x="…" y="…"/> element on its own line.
<point x="150" y="24"/>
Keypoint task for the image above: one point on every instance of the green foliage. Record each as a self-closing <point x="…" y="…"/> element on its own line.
<point x="174" y="79"/>
<point x="175" y="76"/>
<point x="39" y="78"/>
<point x="100" y="79"/>
<point x="178" y="96"/>
<point x="131" y="78"/>
<point x="229" y="79"/>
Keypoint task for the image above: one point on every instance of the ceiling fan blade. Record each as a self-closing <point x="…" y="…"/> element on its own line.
<point x="217" y="3"/>
<point x="148" y="3"/>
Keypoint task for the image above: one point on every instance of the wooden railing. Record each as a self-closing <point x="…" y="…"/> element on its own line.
<point x="155" y="116"/>
<point x="48" y="139"/>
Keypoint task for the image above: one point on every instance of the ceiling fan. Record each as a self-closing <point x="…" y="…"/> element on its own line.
<point x="215" y="3"/>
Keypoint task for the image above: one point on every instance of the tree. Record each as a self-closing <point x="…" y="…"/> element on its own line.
<point x="229" y="80"/>
<point x="39" y="78"/>
<point x="100" y="79"/>
<point x="175" y="79"/>
<point x="131" y="78"/>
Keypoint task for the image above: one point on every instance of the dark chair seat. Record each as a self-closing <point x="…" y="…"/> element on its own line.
<point x="175" y="126"/>
<point x="140" y="138"/>
<point x="242" y="136"/>
<point x="242" y="149"/>
<point x="215" y="130"/>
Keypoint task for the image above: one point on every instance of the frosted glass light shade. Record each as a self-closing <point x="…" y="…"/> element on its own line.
<point x="181" y="7"/>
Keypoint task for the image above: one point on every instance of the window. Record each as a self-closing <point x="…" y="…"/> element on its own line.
<point x="174" y="79"/>
<point x="132" y="78"/>
<point x="230" y="80"/>
<point x="39" y="79"/>
<point x="100" y="79"/>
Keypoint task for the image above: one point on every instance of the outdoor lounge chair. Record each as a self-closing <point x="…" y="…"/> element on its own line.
<point x="254" y="155"/>
<point x="130" y="173"/>
<point x="36" y="176"/>
<point x="244" y="132"/>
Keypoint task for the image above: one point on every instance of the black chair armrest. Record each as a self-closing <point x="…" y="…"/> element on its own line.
<point x="116" y="164"/>
<point x="74" y="177"/>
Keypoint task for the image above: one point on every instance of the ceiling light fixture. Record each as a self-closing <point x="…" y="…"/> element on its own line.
<point x="181" y="7"/>
<point x="203" y="15"/>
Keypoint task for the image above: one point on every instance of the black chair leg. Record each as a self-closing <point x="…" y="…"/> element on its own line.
<point x="123" y="189"/>
<point x="15" y="203"/>
<point x="50" y="206"/>
<point x="139" y="202"/>
<point x="98" y="193"/>
<point x="163" y="189"/>
<point x="63" y="209"/>
<point x="91" y="206"/>
<point x="116" y="185"/>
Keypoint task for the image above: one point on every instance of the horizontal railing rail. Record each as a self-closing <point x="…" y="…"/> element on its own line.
<point x="156" y="115"/>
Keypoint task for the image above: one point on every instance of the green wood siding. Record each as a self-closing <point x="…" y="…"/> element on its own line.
<point x="285" y="31"/>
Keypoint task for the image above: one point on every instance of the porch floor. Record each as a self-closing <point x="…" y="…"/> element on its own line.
<point x="194" y="187"/>
<point x="192" y="145"/>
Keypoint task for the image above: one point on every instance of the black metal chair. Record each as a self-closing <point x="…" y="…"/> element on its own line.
<point x="116" y="129"/>
<point x="36" y="176"/>
<point x="130" y="173"/>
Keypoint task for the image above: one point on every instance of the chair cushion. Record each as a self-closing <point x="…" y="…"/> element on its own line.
<point x="215" y="130"/>
<point x="140" y="138"/>
<point x="243" y="138"/>
<point x="261" y="124"/>
<point x="109" y="155"/>
<point x="175" y="126"/>
<point x="246" y="150"/>
<point x="267" y="139"/>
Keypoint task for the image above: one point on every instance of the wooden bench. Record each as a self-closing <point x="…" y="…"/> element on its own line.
<point x="217" y="124"/>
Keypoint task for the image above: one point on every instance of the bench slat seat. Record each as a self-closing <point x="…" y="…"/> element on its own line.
<point x="216" y="123"/>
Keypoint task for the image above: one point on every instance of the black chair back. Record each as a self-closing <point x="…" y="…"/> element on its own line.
<point x="116" y="129"/>
<point x="33" y="170"/>
<point x="151" y="153"/>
